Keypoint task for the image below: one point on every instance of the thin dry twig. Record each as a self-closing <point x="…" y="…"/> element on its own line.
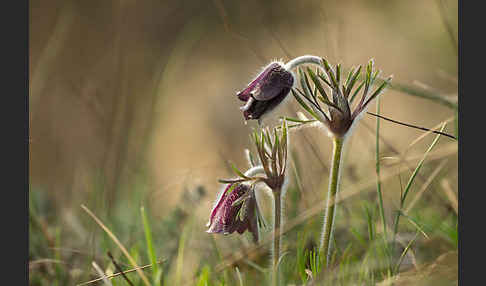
<point x="412" y="126"/>
<point x="450" y="194"/>
<point x="118" y="268"/>
<point x="119" y="244"/>
<point x="101" y="273"/>
<point x="422" y="136"/>
<point x="118" y="274"/>
<point x="44" y="230"/>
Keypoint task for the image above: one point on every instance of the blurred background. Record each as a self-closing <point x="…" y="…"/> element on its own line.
<point x="133" y="103"/>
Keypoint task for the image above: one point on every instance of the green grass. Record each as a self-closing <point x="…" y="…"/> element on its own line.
<point x="359" y="257"/>
<point x="361" y="254"/>
<point x="156" y="272"/>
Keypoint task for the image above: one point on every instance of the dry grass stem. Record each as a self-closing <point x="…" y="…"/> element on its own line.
<point x="101" y="273"/>
<point x="117" y="274"/>
<point x="446" y="187"/>
<point x="425" y="186"/>
<point x="119" y="244"/>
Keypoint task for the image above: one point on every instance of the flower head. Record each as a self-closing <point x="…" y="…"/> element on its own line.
<point x="272" y="155"/>
<point x="340" y="118"/>
<point x="266" y="91"/>
<point x="235" y="210"/>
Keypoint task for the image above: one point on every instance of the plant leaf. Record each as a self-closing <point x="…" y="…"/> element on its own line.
<point x="238" y="172"/>
<point x="351" y="84"/>
<point x="318" y="85"/>
<point x="356" y="92"/>
<point x="378" y="91"/>
<point x="302" y="103"/>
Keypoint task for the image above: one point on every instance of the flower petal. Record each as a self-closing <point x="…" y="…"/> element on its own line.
<point x="224" y="216"/>
<point x="268" y="83"/>
<point x="258" y="108"/>
<point x="221" y="197"/>
<point x="244" y="95"/>
<point x="276" y="80"/>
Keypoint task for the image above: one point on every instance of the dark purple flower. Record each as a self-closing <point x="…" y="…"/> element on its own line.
<point x="266" y="91"/>
<point x="235" y="210"/>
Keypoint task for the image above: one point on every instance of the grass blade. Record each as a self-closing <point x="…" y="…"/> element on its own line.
<point x="116" y="274"/>
<point x="369" y="220"/>
<point x="150" y="249"/>
<point x="415" y="224"/>
<point x="377" y="168"/>
<point x="180" y="255"/>
<point x="409" y="184"/>
<point x="409" y="90"/>
<point x="119" y="244"/>
<point x="118" y="268"/>
<point x="404" y="252"/>
<point x="238" y="274"/>
<point x="204" y="277"/>
<point x="419" y="166"/>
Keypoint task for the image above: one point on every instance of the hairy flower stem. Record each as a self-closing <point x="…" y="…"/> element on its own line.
<point x="255" y="171"/>
<point x="329" y="212"/>
<point x="303" y="60"/>
<point x="277" y="222"/>
<point x="277" y="196"/>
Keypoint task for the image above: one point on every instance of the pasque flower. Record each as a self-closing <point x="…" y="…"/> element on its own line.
<point x="266" y="91"/>
<point x="339" y="119"/>
<point x="271" y="87"/>
<point x="235" y="210"/>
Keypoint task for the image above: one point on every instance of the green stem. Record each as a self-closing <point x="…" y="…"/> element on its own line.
<point x="378" y="182"/>
<point x="394" y="238"/>
<point x="276" y="235"/>
<point x="329" y="212"/>
<point x="378" y="177"/>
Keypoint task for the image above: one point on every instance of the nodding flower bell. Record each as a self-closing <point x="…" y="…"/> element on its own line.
<point x="266" y="91"/>
<point x="235" y="210"/>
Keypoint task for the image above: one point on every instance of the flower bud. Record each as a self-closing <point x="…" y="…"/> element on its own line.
<point x="235" y="210"/>
<point x="266" y="91"/>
